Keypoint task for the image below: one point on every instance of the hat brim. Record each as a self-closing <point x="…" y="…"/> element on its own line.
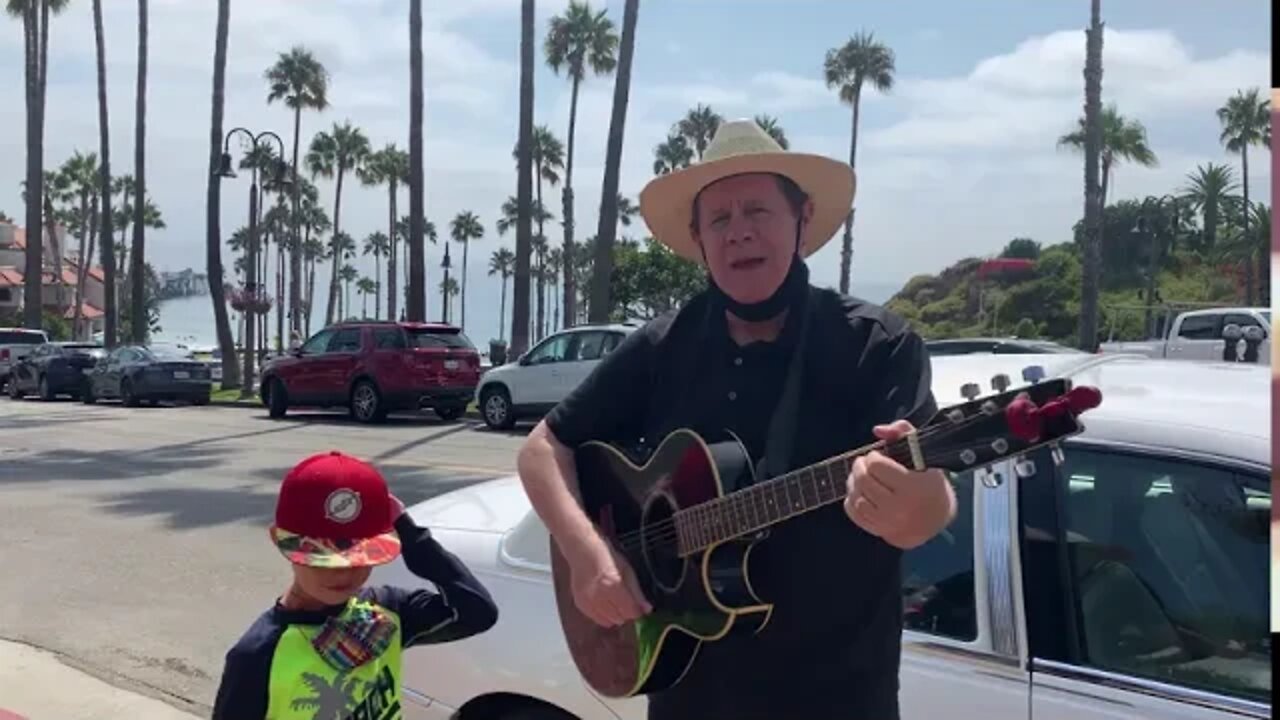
<point x="323" y="553"/>
<point x="666" y="203"/>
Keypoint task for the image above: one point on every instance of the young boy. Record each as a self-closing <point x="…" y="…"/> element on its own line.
<point x="330" y="648"/>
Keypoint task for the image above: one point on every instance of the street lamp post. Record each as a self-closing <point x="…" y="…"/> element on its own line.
<point x="251" y="264"/>
<point x="444" y="286"/>
<point x="1155" y="206"/>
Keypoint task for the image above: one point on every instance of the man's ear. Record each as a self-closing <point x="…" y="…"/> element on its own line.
<point x="806" y="212"/>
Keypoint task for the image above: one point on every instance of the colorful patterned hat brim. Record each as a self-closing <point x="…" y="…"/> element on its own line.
<point x="321" y="553"/>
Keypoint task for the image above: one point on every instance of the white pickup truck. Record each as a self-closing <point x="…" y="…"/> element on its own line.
<point x="1205" y="335"/>
<point x="15" y="344"/>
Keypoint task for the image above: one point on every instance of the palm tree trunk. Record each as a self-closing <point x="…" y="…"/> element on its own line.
<point x="51" y="228"/>
<point x="295" y="249"/>
<point x="81" y="264"/>
<point x="599" y="305"/>
<point x="1092" y="266"/>
<point x="138" y="314"/>
<point x="417" y="304"/>
<point x="377" y="287"/>
<point x="502" y="310"/>
<point x="33" y="291"/>
<point x="311" y="294"/>
<point x="524" y="186"/>
<point x="280" y="292"/>
<point x="337" y="254"/>
<point x="462" y="321"/>
<point x="106" y="252"/>
<point x="391" y="254"/>
<point x="569" y="295"/>
<point x="1249" y="251"/>
<point x="846" y="243"/>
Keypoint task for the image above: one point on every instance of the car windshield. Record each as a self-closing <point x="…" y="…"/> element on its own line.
<point x="85" y="349"/>
<point x="438" y="338"/>
<point x="1266" y="315"/>
<point x="21" y="337"/>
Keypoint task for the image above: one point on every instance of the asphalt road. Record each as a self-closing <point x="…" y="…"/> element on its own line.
<point x="133" y="541"/>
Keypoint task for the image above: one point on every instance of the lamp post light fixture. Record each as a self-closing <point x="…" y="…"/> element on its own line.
<point x="1152" y="232"/>
<point x="281" y="177"/>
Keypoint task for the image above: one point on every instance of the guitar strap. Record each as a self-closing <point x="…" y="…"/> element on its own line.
<point x="782" y="425"/>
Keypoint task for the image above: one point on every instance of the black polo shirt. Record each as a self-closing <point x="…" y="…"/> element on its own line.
<point x="832" y="645"/>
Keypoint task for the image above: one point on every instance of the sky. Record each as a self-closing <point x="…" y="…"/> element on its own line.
<point x="956" y="159"/>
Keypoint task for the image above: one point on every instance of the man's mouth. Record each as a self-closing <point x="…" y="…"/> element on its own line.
<point x="747" y="263"/>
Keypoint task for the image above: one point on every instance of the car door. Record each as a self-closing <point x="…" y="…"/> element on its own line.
<point x="960" y="645"/>
<point x="338" y="363"/>
<point x="1198" y="337"/>
<point x="537" y="381"/>
<point x="586" y="347"/>
<point x="302" y="373"/>
<point x="1146" y="580"/>
<point x="24" y="370"/>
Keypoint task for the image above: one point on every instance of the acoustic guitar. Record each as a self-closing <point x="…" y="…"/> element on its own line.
<point x="689" y="540"/>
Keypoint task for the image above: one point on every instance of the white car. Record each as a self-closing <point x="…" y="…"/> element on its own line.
<point x="1210" y="335"/>
<point x="1130" y="581"/>
<point x="543" y="376"/>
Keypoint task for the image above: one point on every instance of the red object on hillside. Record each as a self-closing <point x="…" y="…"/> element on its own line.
<point x="1004" y="266"/>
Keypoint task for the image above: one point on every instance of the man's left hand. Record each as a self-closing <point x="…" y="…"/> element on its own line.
<point x="905" y="508"/>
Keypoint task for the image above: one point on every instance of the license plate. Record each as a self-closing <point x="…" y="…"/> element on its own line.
<point x="450" y="364"/>
<point x="181" y="374"/>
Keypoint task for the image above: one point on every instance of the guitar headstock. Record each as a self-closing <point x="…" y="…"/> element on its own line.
<point x="985" y="430"/>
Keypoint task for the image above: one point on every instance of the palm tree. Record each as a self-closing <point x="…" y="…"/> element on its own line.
<point x="1122" y="139"/>
<point x="378" y="245"/>
<point x="510" y="217"/>
<point x="448" y="290"/>
<point x="627" y="210"/>
<point x="502" y="263"/>
<point x="1246" y="120"/>
<point x="579" y="40"/>
<point x="83" y="178"/>
<point x="417" y="302"/>
<point x="698" y="126"/>
<point x="770" y="125"/>
<point x="106" y="252"/>
<point x="302" y="82"/>
<point x="861" y="60"/>
<point x="465" y="228"/>
<point x="347" y="275"/>
<point x="539" y="247"/>
<point x="388" y="166"/>
<point x="548" y="161"/>
<point x="672" y="154"/>
<point x="524" y="185"/>
<point x="138" y="274"/>
<point x="1207" y="190"/>
<point x="610" y="210"/>
<point x="552" y="268"/>
<point x="365" y="287"/>
<point x="332" y="154"/>
<point x="1094" y="193"/>
<point x="35" y="26"/>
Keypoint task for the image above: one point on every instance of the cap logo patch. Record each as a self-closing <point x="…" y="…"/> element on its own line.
<point x="342" y="506"/>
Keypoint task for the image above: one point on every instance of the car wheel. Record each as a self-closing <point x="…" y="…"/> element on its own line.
<point x="86" y="395"/>
<point x="495" y="408"/>
<point x="449" y="413"/>
<point x="14" y="391"/>
<point x="127" y="398"/>
<point x="366" y="403"/>
<point x="46" y="393"/>
<point x="200" y="401"/>
<point x="277" y="399"/>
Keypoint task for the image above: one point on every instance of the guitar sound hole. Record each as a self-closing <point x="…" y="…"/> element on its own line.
<point x="659" y="543"/>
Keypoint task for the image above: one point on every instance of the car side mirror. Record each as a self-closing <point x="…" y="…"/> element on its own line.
<point x="296" y="352"/>
<point x="524" y="360"/>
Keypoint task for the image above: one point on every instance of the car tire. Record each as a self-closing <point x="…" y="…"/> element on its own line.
<point x="277" y="399"/>
<point x="86" y="395"/>
<point x="495" y="408"/>
<point x="366" y="402"/>
<point x="14" y="392"/>
<point x="127" y="398"/>
<point x="449" y="413"/>
<point x="46" y="393"/>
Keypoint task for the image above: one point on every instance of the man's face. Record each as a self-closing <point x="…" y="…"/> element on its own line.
<point x="748" y="234"/>
<point x="330" y="586"/>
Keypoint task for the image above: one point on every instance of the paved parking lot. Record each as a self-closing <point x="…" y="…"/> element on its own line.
<point x="135" y="539"/>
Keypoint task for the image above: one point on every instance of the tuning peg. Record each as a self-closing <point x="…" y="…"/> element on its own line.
<point x="1033" y="373"/>
<point x="1000" y="383"/>
<point x="970" y="390"/>
<point x="1055" y="452"/>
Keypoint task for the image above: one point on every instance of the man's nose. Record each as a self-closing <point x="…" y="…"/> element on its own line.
<point x="738" y="229"/>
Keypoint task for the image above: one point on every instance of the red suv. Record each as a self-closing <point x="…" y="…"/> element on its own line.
<point x="373" y="368"/>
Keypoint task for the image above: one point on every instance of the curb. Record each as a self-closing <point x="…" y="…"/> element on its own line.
<point x="470" y="414"/>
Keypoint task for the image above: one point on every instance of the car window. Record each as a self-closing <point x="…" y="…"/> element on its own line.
<point x="22" y="337"/>
<point x="389" y="338"/>
<point x="41" y="351"/>
<point x="1199" y="327"/>
<point x="611" y="341"/>
<point x="318" y="343"/>
<point x="938" y="577"/>
<point x="589" y="346"/>
<point x="1167" y="571"/>
<point x="345" y="340"/>
<point x="553" y="349"/>
<point x="439" y="338"/>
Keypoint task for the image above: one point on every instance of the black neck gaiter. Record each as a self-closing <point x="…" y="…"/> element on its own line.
<point x="788" y="294"/>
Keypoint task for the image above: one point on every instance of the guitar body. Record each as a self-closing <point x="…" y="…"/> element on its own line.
<point x="696" y="598"/>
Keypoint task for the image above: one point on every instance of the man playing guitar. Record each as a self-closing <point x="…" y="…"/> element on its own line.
<point x="751" y="213"/>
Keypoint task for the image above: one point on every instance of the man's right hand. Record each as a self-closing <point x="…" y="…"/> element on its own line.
<point x="605" y="588"/>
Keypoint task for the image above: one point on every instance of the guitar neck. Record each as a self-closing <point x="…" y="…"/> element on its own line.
<point x="770" y="502"/>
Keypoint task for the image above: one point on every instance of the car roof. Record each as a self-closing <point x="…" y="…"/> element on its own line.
<point x="1208" y="408"/>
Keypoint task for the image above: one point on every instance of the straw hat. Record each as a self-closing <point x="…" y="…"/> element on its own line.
<point x="741" y="146"/>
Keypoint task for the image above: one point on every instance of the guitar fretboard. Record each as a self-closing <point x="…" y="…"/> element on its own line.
<point x="772" y="501"/>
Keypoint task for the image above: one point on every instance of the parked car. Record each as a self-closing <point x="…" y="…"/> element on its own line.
<point x="53" y="369"/>
<point x="542" y="377"/>
<point x="1128" y="580"/>
<point x="1205" y="334"/>
<point x="15" y="344"/>
<point x="135" y="373"/>
<point x="996" y="346"/>
<point x="374" y="368"/>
